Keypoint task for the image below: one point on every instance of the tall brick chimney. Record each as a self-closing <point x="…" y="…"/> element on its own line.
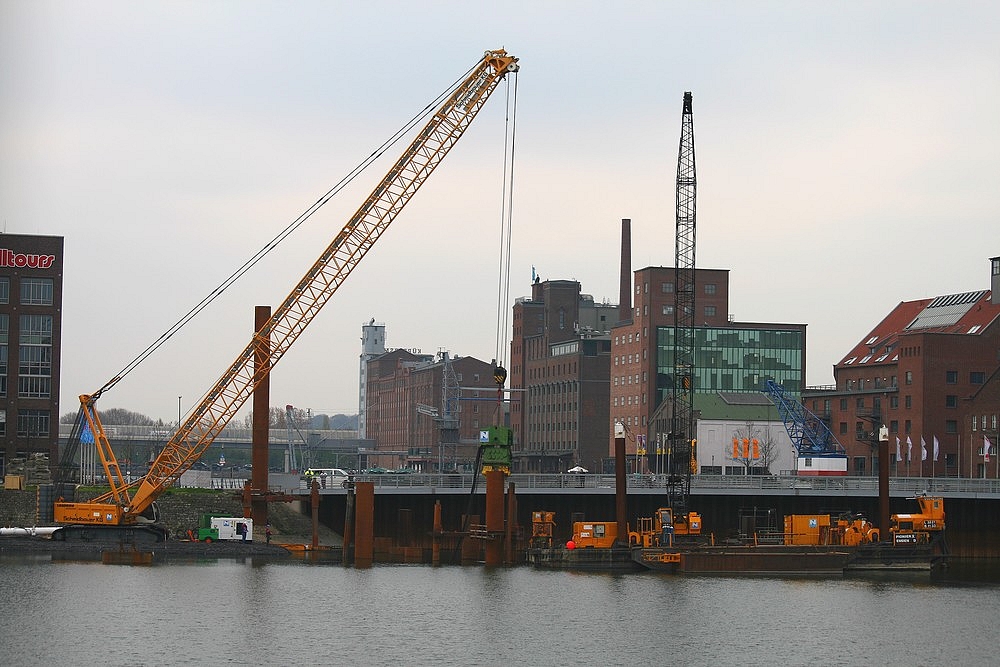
<point x="625" y="286"/>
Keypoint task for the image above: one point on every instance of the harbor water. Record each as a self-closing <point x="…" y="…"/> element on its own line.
<point x="246" y="612"/>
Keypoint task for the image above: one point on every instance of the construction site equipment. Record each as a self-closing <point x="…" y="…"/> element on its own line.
<point x="818" y="451"/>
<point x="594" y="534"/>
<point x="665" y="529"/>
<point x="212" y="528"/>
<point x="543" y="525"/>
<point x="129" y="503"/>
<point x="924" y="526"/>
<point x="672" y="438"/>
<point x="823" y="529"/>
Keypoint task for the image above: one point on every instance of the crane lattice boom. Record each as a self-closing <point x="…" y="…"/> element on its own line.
<point x="809" y="434"/>
<point x="221" y="403"/>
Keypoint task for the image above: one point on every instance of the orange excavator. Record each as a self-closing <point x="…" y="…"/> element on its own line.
<point x="128" y="509"/>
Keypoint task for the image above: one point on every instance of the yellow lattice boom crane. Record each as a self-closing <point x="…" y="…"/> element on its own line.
<point x="132" y="504"/>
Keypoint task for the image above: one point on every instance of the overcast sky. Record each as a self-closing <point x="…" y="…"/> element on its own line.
<point x="848" y="157"/>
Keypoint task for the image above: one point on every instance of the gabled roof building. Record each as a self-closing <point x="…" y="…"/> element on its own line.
<point x="918" y="372"/>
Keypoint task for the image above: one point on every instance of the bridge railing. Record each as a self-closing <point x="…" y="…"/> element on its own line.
<point x="699" y="483"/>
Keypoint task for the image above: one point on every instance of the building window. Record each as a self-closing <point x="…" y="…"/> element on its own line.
<point x="710" y="288"/>
<point x="894" y="402"/>
<point x="977" y="377"/>
<point x="950" y="426"/>
<point x="31" y="423"/>
<point x="951" y="401"/>
<point x="667" y="288"/>
<point x="906" y="426"/>
<point x="4" y="290"/>
<point x="975" y="420"/>
<point x="36" y="330"/>
<point x="843" y="428"/>
<point x="908" y="401"/>
<point x="668" y="310"/>
<point x="843" y="404"/>
<point x="909" y="377"/>
<point x="36" y="291"/>
<point x="894" y="426"/>
<point x="951" y="377"/>
<point x="860" y="404"/>
<point x="709" y="311"/>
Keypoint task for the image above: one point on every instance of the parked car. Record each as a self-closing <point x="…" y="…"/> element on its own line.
<point x="328" y="478"/>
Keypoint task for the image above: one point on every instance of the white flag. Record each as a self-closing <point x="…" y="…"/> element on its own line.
<point x="899" y="455"/>
<point x="935" y="448"/>
<point x="923" y="449"/>
<point x="909" y="449"/>
<point x="986" y="449"/>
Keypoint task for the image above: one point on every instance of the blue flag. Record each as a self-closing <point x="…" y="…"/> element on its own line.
<point x="86" y="436"/>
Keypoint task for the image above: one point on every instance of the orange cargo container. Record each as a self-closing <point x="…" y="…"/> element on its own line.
<point x="807" y="529"/>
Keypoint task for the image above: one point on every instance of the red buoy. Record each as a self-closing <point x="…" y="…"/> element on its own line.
<point x="571" y="545"/>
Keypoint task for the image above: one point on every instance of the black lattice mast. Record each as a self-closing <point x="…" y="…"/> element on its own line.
<point x="682" y="422"/>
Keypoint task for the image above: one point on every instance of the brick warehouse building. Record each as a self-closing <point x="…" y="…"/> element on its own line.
<point x="31" y="285"/>
<point x="424" y="412"/>
<point x="559" y="371"/>
<point x="922" y="372"/>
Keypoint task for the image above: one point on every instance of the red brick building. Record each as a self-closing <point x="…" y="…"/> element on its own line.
<point x="425" y="412"/>
<point x="922" y="372"/>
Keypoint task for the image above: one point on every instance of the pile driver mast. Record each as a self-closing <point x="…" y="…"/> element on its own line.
<point x="681" y="434"/>
<point x="126" y="502"/>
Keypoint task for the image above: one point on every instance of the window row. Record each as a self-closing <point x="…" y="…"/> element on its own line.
<point x="34" y="291"/>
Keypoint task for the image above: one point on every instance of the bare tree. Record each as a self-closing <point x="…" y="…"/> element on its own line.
<point x="744" y="449"/>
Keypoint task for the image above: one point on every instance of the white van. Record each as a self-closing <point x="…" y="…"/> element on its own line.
<point x="328" y="478"/>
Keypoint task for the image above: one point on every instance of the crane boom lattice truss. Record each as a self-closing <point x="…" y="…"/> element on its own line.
<point x="682" y="418"/>
<point x="362" y="230"/>
<point x="809" y="434"/>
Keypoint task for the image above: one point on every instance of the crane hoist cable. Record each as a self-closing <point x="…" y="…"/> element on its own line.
<point x="283" y="234"/>
<point x="506" y="216"/>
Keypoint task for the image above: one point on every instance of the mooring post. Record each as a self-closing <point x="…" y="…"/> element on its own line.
<point x="621" y="484"/>
<point x="511" y="524"/>
<point x="364" y="524"/>
<point x="494" y="517"/>
<point x="436" y="540"/>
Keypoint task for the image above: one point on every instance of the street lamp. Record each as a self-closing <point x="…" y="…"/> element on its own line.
<point x="179" y="412"/>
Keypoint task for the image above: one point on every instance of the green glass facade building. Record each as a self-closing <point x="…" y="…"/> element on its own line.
<point x="736" y="358"/>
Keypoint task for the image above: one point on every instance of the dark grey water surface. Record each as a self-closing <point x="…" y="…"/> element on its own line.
<point x="229" y="612"/>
